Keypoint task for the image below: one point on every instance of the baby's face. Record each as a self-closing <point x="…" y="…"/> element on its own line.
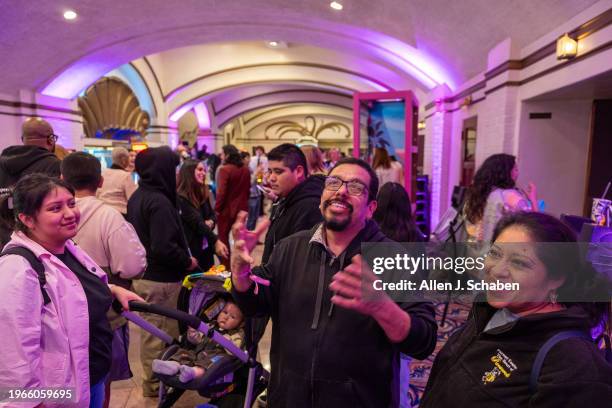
<point x="230" y="317"/>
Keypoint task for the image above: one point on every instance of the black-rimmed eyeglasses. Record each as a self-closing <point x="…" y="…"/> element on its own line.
<point x="354" y="187"/>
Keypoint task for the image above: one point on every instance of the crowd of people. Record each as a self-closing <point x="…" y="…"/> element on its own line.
<point x="76" y="237"/>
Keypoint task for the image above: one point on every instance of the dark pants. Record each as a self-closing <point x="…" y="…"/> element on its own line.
<point x="254" y="210"/>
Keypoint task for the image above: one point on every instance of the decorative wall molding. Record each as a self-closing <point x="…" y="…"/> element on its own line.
<point x="581" y="32"/>
<point x="311" y="127"/>
<point x="35" y="106"/>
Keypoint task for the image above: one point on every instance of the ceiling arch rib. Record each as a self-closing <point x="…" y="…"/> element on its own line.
<point x="290" y="95"/>
<point x="270" y="74"/>
<point x="364" y="77"/>
<point x="80" y="70"/>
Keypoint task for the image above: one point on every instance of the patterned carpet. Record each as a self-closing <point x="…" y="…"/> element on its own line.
<point x="419" y="370"/>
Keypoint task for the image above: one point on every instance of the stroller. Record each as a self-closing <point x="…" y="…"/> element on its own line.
<point x="234" y="379"/>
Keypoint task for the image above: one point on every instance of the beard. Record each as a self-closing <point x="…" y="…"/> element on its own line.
<point x="333" y="224"/>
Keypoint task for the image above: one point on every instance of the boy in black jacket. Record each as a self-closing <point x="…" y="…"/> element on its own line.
<point x="153" y="213"/>
<point x="297" y="208"/>
<point x="330" y="347"/>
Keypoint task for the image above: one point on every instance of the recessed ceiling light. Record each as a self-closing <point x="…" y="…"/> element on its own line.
<point x="70" y="15"/>
<point x="336" y="5"/>
<point x="276" y="44"/>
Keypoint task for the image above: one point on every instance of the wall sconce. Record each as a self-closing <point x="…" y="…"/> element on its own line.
<point x="421" y="125"/>
<point x="467" y="101"/>
<point x="567" y="47"/>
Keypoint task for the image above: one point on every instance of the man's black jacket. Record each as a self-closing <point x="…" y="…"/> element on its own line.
<point x="324" y="356"/>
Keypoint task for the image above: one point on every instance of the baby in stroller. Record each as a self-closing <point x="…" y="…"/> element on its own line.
<point x="190" y="364"/>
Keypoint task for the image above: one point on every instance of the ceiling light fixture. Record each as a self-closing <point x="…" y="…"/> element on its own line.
<point x="276" y="44"/>
<point x="336" y="5"/>
<point x="70" y="15"/>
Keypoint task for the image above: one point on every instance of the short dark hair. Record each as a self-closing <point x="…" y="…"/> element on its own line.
<point x="373" y="187"/>
<point x="290" y="155"/>
<point x="82" y="171"/>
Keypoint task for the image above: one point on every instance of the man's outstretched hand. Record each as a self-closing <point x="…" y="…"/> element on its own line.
<point x="353" y="289"/>
<point x="244" y="243"/>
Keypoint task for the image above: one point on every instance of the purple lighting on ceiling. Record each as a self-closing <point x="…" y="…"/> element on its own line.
<point x="72" y="81"/>
<point x="177" y="114"/>
<point x="202" y="114"/>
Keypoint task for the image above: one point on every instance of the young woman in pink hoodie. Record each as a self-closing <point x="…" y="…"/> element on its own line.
<point x="57" y="336"/>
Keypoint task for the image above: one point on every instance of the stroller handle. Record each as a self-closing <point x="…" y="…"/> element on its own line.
<point x="182" y="317"/>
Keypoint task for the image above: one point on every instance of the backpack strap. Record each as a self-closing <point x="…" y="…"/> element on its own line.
<point x="35" y="263"/>
<point x="550" y="343"/>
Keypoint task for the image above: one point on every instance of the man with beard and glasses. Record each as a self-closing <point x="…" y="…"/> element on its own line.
<point x="330" y="346"/>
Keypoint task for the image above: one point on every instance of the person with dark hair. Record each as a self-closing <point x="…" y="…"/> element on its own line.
<point x="490" y="360"/>
<point x="492" y="194"/>
<point x="197" y="215"/>
<point x="152" y="210"/>
<point x="331" y="347"/>
<point x="118" y="184"/>
<point x="233" y="183"/>
<point x="246" y="157"/>
<point x="213" y="162"/>
<point x="54" y="299"/>
<point x="111" y="242"/>
<point x="394" y="214"/>
<point x="297" y="206"/>
<point x="387" y="170"/>
<point x="34" y="156"/>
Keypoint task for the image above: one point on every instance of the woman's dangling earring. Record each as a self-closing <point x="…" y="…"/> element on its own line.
<point x="553" y="298"/>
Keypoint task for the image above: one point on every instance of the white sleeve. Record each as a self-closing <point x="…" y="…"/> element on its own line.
<point x="127" y="256"/>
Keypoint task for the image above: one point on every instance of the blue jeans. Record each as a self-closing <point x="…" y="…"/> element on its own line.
<point x="96" y="394"/>
<point x="254" y="209"/>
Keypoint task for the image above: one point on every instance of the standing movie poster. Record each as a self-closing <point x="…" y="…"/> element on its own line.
<point x="387" y="128"/>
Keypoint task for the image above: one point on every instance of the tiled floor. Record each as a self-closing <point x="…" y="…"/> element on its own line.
<point x="128" y="393"/>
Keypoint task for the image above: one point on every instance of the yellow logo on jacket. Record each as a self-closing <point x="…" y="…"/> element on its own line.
<point x="502" y="365"/>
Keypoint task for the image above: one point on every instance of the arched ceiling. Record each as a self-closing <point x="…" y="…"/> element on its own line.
<point x="415" y="42"/>
<point x="231" y="78"/>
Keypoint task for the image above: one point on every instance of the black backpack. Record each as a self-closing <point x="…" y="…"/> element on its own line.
<point x="568" y="334"/>
<point x="36" y="264"/>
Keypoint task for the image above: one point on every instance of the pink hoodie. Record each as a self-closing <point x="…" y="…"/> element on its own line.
<point x="44" y="345"/>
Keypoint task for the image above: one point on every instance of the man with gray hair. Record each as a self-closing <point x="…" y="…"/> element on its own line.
<point x="118" y="185"/>
<point x="34" y="156"/>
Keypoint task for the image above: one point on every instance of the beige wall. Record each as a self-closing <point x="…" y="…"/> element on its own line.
<point x="553" y="153"/>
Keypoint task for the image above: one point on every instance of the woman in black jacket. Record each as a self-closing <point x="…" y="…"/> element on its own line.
<point x="197" y="215"/>
<point x="489" y="361"/>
